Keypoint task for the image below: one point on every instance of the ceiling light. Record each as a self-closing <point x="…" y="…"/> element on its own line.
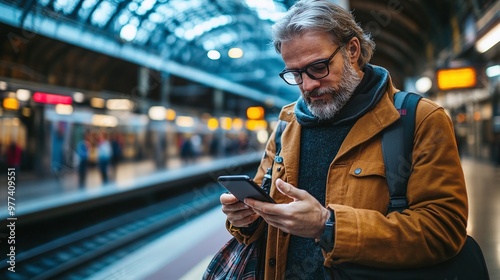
<point x="157" y="113"/>
<point x="104" y="120"/>
<point x="97" y="102"/>
<point x="423" y="84"/>
<point x="489" y="39"/>
<point x="64" y="109"/>
<point x="184" y="121"/>
<point x="213" y="54"/>
<point x="128" y="32"/>
<point x="493" y="71"/>
<point x="119" y="104"/>
<point x="235" y="53"/>
<point x="78" y="97"/>
<point x="23" y="94"/>
<point x="3" y="85"/>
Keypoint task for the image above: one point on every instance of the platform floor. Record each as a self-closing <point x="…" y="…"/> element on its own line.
<point x="186" y="251"/>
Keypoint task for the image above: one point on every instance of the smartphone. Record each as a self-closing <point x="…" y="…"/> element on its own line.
<point x="243" y="187"/>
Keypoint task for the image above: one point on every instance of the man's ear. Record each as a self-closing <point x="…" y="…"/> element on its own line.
<point x="353" y="49"/>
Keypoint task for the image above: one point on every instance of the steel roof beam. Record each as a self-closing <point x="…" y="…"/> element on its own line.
<point x="83" y="38"/>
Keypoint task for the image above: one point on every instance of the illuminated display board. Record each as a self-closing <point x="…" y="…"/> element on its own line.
<point x="456" y="78"/>
<point x="48" y="98"/>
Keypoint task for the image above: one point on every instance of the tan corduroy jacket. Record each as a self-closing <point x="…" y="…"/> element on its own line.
<point x="431" y="230"/>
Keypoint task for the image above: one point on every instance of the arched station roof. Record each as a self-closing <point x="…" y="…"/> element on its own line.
<point x="175" y="36"/>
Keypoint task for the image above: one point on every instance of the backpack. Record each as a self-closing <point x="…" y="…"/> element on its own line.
<point x="397" y="147"/>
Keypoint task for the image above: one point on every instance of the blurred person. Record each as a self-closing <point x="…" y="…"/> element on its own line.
<point x="187" y="150"/>
<point x="14" y="156"/>
<point x="214" y="148"/>
<point x="58" y="151"/>
<point x="104" y="154"/>
<point x="230" y="145"/>
<point x="117" y="152"/>
<point x="243" y="142"/>
<point x="2" y="156"/>
<point x="197" y="143"/>
<point x="82" y="151"/>
<point x="331" y="185"/>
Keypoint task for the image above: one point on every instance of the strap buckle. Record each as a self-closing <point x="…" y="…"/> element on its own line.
<point x="397" y="203"/>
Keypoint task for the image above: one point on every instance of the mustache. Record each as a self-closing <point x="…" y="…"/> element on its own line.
<point x="319" y="92"/>
<point x="315" y="93"/>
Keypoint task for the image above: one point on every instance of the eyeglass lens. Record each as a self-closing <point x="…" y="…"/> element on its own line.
<point x="316" y="70"/>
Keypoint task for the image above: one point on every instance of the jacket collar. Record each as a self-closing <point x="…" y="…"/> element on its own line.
<point x="372" y="123"/>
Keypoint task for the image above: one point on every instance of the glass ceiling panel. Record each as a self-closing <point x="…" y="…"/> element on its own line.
<point x="182" y="6"/>
<point x="86" y="8"/>
<point x="65" y="6"/>
<point x="169" y="23"/>
<point x="145" y="7"/>
<point x="44" y="2"/>
<point x="103" y="13"/>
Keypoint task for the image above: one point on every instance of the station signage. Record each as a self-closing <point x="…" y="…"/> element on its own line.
<point x="456" y="78"/>
<point x="49" y="98"/>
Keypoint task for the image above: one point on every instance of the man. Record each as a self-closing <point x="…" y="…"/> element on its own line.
<point x="333" y="167"/>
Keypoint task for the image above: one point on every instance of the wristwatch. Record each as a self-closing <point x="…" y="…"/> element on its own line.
<point x="326" y="240"/>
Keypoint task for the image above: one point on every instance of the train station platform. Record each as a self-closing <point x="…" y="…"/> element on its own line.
<point x="35" y="194"/>
<point x="185" y="252"/>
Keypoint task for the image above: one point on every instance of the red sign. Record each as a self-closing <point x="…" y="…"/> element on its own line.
<point x="48" y="98"/>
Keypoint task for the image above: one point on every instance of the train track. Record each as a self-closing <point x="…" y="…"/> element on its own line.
<point x="76" y="255"/>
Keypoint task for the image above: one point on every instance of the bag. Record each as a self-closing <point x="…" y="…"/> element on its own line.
<point x="397" y="145"/>
<point x="469" y="264"/>
<point x="236" y="260"/>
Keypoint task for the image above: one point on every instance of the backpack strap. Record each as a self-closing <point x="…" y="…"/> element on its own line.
<point x="281" y="127"/>
<point x="397" y="147"/>
<point x="266" y="182"/>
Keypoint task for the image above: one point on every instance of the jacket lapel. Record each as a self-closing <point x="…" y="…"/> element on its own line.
<point x="372" y="123"/>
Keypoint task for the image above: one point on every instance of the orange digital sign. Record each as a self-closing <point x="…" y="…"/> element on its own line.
<point x="456" y="78"/>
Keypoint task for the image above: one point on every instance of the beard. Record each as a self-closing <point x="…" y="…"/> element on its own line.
<point x="340" y="94"/>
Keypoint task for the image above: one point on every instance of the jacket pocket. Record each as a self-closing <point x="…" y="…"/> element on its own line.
<point x="367" y="185"/>
<point x="362" y="168"/>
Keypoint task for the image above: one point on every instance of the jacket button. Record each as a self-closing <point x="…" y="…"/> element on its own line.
<point x="272" y="262"/>
<point x="357" y="171"/>
<point x="278" y="159"/>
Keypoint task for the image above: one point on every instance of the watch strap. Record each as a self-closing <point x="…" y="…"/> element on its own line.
<point x="326" y="240"/>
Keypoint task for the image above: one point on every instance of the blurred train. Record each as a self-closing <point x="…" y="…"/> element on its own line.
<point x="47" y="122"/>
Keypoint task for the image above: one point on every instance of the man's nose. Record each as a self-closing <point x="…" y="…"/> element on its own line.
<point x="309" y="84"/>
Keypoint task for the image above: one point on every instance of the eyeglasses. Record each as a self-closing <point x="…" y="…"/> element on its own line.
<point x="316" y="70"/>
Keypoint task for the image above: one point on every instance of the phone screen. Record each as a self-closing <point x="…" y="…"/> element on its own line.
<point x="243" y="187"/>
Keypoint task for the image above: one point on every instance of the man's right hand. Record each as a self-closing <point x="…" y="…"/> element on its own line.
<point x="237" y="212"/>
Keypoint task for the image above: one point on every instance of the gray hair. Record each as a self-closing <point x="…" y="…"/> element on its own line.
<point x="322" y="16"/>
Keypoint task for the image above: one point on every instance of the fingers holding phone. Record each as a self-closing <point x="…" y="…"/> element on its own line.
<point x="237" y="212"/>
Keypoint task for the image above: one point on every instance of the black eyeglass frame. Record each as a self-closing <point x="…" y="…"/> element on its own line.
<point x="326" y="62"/>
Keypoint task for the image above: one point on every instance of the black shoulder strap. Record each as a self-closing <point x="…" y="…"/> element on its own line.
<point x="397" y="147"/>
<point x="266" y="182"/>
<point x="279" y="131"/>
